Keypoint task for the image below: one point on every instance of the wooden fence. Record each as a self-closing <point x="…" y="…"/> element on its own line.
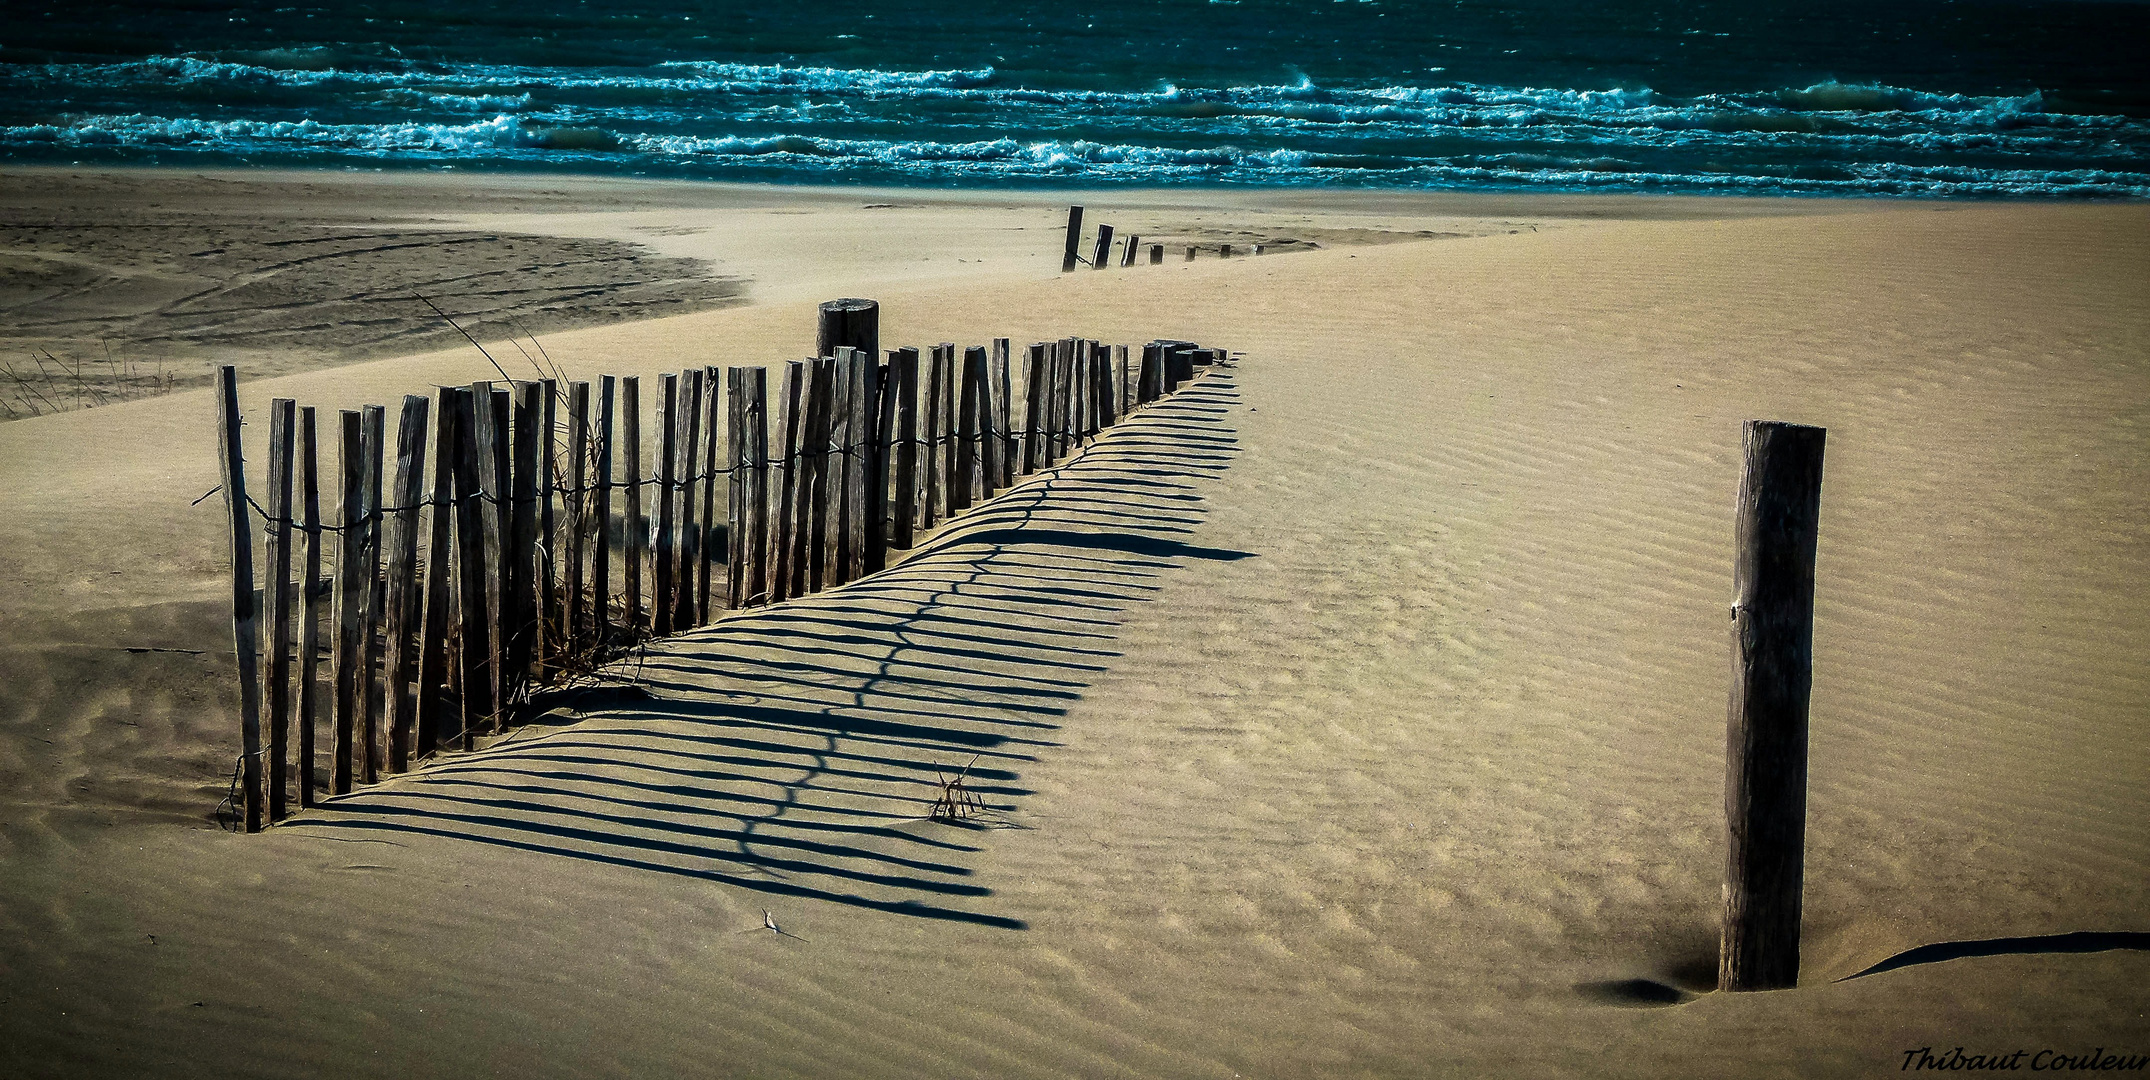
<point x="549" y="539"/>
<point x="1130" y="247"/>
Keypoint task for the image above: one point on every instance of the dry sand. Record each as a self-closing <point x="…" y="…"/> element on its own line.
<point x="1358" y="714"/>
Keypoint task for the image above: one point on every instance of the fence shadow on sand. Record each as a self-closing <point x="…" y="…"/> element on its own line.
<point x="797" y="749"/>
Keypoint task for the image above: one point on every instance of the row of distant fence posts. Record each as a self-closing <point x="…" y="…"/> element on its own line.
<point x="1130" y="246"/>
<point x="556" y="541"/>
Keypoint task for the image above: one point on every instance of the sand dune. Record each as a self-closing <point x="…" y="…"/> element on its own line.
<point x="1358" y="714"/>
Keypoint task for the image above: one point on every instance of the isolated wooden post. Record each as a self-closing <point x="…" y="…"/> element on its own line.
<point x="1157" y="254"/>
<point x="1773" y="672"/>
<point x="245" y="616"/>
<point x="283" y="416"/>
<point x="785" y="528"/>
<point x="374" y="423"/>
<point x="661" y="599"/>
<point x="1103" y="252"/>
<point x="1224" y="251"/>
<point x="474" y="576"/>
<point x="601" y="567"/>
<point x="578" y="513"/>
<point x="349" y="654"/>
<point x="1128" y="249"/>
<point x="635" y="534"/>
<point x="440" y="582"/>
<point x="849" y="323"/>
<point x="309" y="600"/>
<point x="402" y="597"/>
<point x="1072" y="256"/>
<point x="903" y="492"/>
<point x="1190" y="253"/>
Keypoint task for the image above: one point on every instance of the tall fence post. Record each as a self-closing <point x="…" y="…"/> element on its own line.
<point x="1073" y="254"/>
<point x="1127" y="250"/>
<point x="473" y="574"/>
<point x="245" y="614"/>
<point x="309" y="600"/>
<point x="784" y="529"/>
<point x="1100" y="256"/>
<point x="1773" y="674"/>
<point x="578" y="513"/>
<point x="1006" y="450"/>
<point x="601" y="514"/>
<point x="440" y="583"/>
<point x="402" y="597"/>
<point x="349" y="654"/>
<point x="634" y="535"/>
<point x="374" y="424"/>
<point x="283" y="414"/>
<point x="713" y="378"/>
<point x="548" y="545"/>
<point x="1033" y="408"/>
<point x="903" y="492"/>
<point x="661" y="600"/>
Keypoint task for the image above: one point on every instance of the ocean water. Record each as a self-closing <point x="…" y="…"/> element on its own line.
<point x="1977" y="98"/>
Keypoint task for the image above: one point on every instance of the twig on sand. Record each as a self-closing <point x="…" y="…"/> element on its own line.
<point x="768" y="922"/>
<point x="956" y="802"/>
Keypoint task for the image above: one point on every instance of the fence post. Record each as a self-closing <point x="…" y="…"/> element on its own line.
<point x="903" y="514"/>
<point x="634" y="535"/>
<point x="1005" y="449"/>
<point x="882" y="377"/>
<point x="601" y="567"/>
<point x="547" y="565"/>
<point x="309" y="601"/>
<point x="786" y="526"/>
<point x="440" y="581"/>
<point x="756" y="414"/>
<point x="1157" y="254"/>
<point x="930" y="445"/>
<point x="1773" y="673"/>
<point x="661" y="599"/>
<point x="814" y="511"/>
<point x="402" y="598"/>
<point x="851" y="322"/>
<point x="349" y="651"/>
<point x="713" y="378"/>
<point x="1033" y="406"/>
<point x="473" y="574"/>
<point x="965" y="459"/>
<point x="1072" y="256"/>
<point x="374" y="423"/>
<point x="283" y="412"/>
<point x="837" y="467"/>
<point x="521" y="579"/>
<point x="493" y="466"/>
<point x="859" y="516"/>
<point x="1127" y="250"/>
<point x="1190" y="253"/>
<point x="245" y="614"/>
<point x="685" y="550"/>
<point x="578" y="511"/>
<point x="1103" y="251"/>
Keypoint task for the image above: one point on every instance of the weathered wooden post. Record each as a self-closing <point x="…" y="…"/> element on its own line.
<point x="689" y="551"/>
<point x="1773" y="672"/>
<point x="1128" y="249"/>
<point x="713" y="377"/>
<point x="402" y="597"/>
<point x="965" y="460"/>
<point x="736" y="464"/>
<point x="812" y="563"/>
<point x="661" y="600"/>
<point x="549" y="619"/>
<point x="245" y="605"/>
<point x="1033" y="407"/>
<point x="374" y="422"/>
<point x="903" y="491"/>
<point x="786" y="526"/>
<point x="601" y="565"/>
<point x="1006" y="451"/>
<point x="283" y="414"/>
<point x="1103" y="252"/>
<point x="635" y="535"/>
<point x="858" y="462"/>
<point x="519" y="585"/>
<point x="1072" y="255"/>
<point x="930" y="448"/>
<point x="348" y="657"/>
<point x="494" y="460"/>
<point x="849" y="322"/>
<point x="1190" y="254"/>
<point x="578" y="511"/>
<point x="837" y="483"/>
<point x="440" y="581"/>
<point x="883" y="377"/>
<point x="309" y="600"/>
<point x="474" y="576"/>
<point x="1157" y="254"/>
<point x="1224" y="251"/>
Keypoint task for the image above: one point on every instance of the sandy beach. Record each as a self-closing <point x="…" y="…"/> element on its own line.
<point x="1358" y="713"/>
